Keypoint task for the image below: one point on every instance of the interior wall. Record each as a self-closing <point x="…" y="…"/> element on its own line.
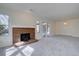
<point x="70" y="28"/>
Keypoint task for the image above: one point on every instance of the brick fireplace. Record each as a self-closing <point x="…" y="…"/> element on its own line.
<point x="23" y="34"/>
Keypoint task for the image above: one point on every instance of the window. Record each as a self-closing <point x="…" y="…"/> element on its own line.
<point x="4" y="23"/>
<point x="38" y="26"/>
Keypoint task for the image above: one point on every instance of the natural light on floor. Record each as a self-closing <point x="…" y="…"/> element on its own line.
<point x="19" y="51"/>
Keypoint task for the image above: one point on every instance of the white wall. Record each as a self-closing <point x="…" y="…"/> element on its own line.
<point x="71" y="28"/>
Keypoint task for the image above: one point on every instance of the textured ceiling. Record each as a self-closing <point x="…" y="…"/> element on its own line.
<point x="46" y="10"/>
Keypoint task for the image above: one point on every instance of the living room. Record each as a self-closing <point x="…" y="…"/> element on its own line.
<point x="40" y="27"/>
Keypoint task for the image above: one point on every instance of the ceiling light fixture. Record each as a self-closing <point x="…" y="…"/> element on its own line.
<point x="65" y="23"/>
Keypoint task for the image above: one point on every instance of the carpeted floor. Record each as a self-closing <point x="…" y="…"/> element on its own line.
<point x="49" y="46"/>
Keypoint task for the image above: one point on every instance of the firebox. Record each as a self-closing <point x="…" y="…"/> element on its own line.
<point x="25" y="36"/>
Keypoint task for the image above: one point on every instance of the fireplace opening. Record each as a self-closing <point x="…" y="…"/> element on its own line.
<point x="25" y="36"/>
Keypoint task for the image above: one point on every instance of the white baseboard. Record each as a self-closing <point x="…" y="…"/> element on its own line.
<point x="67" y="35"/>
